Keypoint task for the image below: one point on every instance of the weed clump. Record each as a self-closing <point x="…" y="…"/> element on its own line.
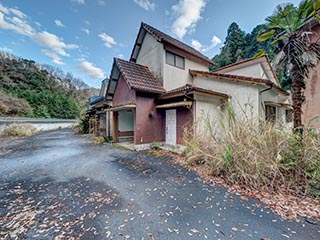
<point x="19" y="130"/>
<point x="257" y="154"/>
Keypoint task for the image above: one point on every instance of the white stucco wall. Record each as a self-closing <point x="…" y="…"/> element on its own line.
<point x="152" y="55"/>
<point x="255" y="70"/>
<point x="210" y="113"/>
<point x="177" y="77"/>
<point x="244" y="97"/>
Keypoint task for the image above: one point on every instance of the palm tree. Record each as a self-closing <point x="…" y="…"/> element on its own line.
<point x="288" y="27"/>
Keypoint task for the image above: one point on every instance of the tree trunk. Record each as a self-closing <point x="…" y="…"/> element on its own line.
<point x="298" y="86"/>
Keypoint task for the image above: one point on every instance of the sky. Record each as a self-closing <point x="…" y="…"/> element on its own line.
<point x="83" y="36"/>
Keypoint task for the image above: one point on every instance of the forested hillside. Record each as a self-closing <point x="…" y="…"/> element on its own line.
<point x="40" y="91"/>
<point x="240" y="45"/>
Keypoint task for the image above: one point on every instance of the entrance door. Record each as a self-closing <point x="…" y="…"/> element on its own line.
<point x="171" y="127"/>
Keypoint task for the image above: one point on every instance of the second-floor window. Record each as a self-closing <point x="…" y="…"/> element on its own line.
<point x="174" y="60"/>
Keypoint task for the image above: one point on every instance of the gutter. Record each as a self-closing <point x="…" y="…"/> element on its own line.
<point x="265" y="90"/>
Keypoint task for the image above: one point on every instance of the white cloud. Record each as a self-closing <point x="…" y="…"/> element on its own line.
<point x="4" y="9"/>
<point x="81" y="2"/>
<point x="188" y="13"/>
<point x="16" y="24"/>
<point x="14" y="20"/>
<point x="54" y="43"/>
<point x="86" y="30"/>
<point x="215" y="41"/>
<point x="145" y="4"/>
<point x="13" y="11"/>
<point x="17" y="12"/>
<point x="38" y="24"/>
<point x="58" y="23"/>
<point x="101" y="3"/>
<point x="198" y="46"/>
<point x="6" y="49"/>
<point x="108" y="40"/>
<point x="120" y="56"/>
<point x="55" y="58"/>
<point x="89" y="69"/>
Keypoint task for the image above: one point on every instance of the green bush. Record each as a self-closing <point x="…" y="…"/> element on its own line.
<point x="83" y="125"/>
<point x="19" y="130"/>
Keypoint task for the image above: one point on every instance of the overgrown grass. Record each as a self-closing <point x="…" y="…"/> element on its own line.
<point x="98" y="139"/>
<point x="19" y="130"/>
<point x="258" y="155"/>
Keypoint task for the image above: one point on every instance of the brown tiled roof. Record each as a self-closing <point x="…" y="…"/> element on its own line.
<point x="162" y="37"/>
<point x="189" y="88"/>
<point x="240" y="78"/>
<point x="139" y="77"/>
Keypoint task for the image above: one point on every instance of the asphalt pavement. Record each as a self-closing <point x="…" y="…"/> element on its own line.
<point x="56" y="185"/>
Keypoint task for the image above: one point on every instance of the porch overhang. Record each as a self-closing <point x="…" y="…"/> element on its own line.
<point x="275" y="104"/>
<point x="189" y="89"/>
<point x="122" y="107"/>
<point x="175" y="104"/>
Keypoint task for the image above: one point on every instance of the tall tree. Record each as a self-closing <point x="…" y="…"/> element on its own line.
<point x="296" y="52"/>
<point x="233" y="49"/>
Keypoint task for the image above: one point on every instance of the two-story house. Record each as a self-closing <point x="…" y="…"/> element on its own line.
<point x="166" y="87"/>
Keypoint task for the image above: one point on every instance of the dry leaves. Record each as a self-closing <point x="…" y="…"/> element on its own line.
<point x="289" y="205"/>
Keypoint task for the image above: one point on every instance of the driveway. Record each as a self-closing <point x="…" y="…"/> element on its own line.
<point x="58" y="186"/>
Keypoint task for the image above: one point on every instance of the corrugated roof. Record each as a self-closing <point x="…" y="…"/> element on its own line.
<point x="139" y="77"/>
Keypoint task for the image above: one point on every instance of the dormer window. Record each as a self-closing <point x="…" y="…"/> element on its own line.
<point x="174" y="60"/>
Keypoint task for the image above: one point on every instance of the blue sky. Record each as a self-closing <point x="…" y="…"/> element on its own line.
<point x="83" y="36"/>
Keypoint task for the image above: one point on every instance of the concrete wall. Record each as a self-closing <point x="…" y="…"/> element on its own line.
<point x="311" y="108"/>
<point x="39" y="124"/>
<point x="151" y="55"/>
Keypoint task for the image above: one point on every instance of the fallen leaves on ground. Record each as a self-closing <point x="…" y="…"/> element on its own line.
<point x="289" y="205"/>
<point x="48" y="209"/>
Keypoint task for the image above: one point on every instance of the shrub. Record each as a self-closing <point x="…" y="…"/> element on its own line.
<point x="83" y="125"/>
<point x="19" y="130"/>
<point x="258" y="154"/>
<point x="4" y="109"/>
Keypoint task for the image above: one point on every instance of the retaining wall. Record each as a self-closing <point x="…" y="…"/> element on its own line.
<point x="38" y="124"/>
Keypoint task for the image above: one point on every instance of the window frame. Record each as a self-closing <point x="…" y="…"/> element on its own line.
<point x="272" y="118"/>
<point x="175" y="56"/>
<point x="289" y="115"/>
